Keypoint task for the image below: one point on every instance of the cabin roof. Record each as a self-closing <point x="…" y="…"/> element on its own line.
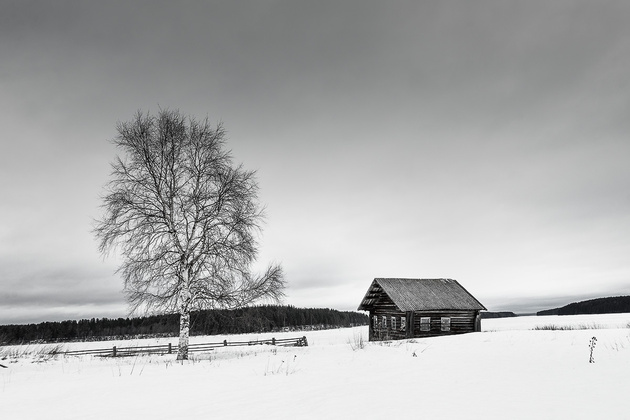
<point x="420" y="295"/>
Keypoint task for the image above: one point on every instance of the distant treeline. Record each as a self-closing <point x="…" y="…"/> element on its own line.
<point x="486" y="315"/>
<point x="608" y="305"/>
<point x="266" y="318"/>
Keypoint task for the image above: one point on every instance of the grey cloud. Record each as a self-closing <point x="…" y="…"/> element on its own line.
<point x="69" y="286"/>
<point x="480" y="141"/>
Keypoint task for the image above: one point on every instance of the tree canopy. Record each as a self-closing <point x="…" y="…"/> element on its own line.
<point x="185" y="219"/>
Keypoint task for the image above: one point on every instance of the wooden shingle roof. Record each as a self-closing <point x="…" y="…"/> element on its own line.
<point x="421" y="295"/>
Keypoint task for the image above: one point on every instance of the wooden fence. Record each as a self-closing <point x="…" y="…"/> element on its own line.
<point x="192" y="348"/>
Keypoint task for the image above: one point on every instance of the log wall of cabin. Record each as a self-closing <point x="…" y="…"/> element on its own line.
<point x="385" y="307"/>
<point x="460" y="322"/>
<point x="378" y="332"/>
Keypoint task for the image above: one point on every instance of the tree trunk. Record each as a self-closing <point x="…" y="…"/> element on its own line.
<point x="184" y="333"/>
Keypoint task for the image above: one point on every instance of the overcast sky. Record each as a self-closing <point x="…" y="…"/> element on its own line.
<point x="483" y="141"/>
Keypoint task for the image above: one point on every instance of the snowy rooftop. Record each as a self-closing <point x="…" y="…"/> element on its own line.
<point x="421" y="295"/>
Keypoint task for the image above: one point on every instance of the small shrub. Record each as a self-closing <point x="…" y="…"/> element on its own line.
<point x="591" y="344"/>
<point x="358" y="342"/>
<point x="287" y="367"/>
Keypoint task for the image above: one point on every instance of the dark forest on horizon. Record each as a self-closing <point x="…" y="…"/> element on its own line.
<point x="606" y="305"/>
<point x="264" y="318"/>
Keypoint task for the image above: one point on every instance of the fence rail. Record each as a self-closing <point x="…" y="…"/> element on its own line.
<point x="192" y="348"/>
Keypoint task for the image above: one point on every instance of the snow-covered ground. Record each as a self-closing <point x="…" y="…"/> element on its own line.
<point x="509" y="371"/>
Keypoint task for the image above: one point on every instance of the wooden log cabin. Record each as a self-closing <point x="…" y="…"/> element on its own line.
<point x="408" y="308"/>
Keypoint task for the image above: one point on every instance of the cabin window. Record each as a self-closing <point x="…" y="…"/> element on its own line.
<point x="375" y="319"/>
<point x="393" y="323"/>
<point x="384" y="321"/>
<point x="403" y="322"/>
<point x="446" y="323"/>
<point x="425" y="323"/>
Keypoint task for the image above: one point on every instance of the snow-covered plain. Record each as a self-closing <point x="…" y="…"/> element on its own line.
<point x="508" y="371"/>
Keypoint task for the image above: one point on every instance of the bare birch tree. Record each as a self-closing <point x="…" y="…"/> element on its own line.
<point x="184" y="219"/>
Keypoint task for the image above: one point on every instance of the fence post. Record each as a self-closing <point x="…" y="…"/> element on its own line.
<point x="225" y="342"/>
<point x="170" y="348"/>
<point x="273" y="341"/>
<point x="114" y="351"/>
<point x="304" y="342"/>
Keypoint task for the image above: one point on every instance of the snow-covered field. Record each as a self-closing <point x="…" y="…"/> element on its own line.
<point x="509" y="371"/>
